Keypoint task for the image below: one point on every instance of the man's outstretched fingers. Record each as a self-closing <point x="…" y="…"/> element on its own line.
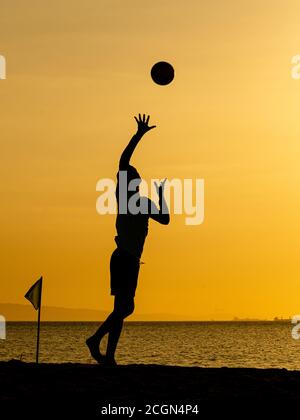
<point x="142" y="122"/>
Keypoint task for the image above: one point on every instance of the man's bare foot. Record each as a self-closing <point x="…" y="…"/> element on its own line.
<point x="110" y="361"/>
<point x="93" y="346"/>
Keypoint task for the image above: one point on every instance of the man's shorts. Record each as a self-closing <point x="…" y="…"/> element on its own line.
<point x="124" y="271"/>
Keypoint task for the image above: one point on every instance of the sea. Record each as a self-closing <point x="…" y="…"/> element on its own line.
<point x="205" y="344"/>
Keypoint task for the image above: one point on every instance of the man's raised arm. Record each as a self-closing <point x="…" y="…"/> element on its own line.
<point x="143" y="127"/>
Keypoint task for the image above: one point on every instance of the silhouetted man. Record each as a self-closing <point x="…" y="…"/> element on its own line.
<point x="132" y="228"/>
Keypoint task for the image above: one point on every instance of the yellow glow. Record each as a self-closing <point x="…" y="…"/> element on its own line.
<point x="77" y="72"/>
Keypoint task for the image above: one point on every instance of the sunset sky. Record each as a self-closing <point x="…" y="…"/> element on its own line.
<point x="77" y="73"/>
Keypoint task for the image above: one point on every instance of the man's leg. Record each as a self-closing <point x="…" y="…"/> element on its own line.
<point x="103" y="329"/>
<point x="124" y="306"/>
<point x="93" y="342"/>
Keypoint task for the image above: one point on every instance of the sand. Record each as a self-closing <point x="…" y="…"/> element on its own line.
<point x="94" y="388"/>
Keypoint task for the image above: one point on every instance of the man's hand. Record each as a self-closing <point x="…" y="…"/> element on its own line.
<point x="163" y="216"/>
<point x="160" y="187"/>
<point x="143" y="127"/>
<point x="142" y="123"/>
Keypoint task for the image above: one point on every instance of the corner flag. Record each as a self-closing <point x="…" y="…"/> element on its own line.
<point x="34" y="295"/>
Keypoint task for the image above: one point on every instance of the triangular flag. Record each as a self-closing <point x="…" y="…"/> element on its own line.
<point x="34" y="294"/>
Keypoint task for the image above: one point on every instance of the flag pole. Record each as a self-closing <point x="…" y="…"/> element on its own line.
<point x="38" y="327"/>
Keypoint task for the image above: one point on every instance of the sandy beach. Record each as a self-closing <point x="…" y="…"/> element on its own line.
<point x="93" y="388"/>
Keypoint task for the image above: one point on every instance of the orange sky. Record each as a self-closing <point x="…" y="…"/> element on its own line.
<point x="77" y="72"/>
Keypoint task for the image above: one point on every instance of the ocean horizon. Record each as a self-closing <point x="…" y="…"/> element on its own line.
<point x="242" y="343"/>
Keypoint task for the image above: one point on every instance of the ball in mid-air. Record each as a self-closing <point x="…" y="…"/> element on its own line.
<point x="162" y="73"/>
